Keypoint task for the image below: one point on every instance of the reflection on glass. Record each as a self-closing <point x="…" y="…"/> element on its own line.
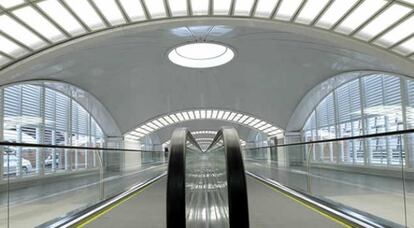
<point x="206" y="188"/>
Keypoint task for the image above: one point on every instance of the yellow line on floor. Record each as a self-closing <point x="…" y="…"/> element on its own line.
<point x="307" y="205"/>
<point x="99" y="214"/>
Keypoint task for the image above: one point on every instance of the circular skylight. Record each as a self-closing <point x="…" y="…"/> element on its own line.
<point x="201" y="55"/>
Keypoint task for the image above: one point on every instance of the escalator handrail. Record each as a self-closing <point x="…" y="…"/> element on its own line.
<point x="236" y="179"/>
<point x="176" y="215"/>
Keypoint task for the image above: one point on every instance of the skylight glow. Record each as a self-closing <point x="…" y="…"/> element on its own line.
<point x="178" y="7"/>
<point x="201" y="55"/>
<point x="265" y="7"/>
<point x="364" y="11"/>
<point x="133" y="9"/>
<point x="243" y="7"/>
<point x="287" y="9"/>
<point x="335" y="11"/>
<point x="156" y="8"/>
<point x="221" y="7"/>
<point x="36" y="21"/>
<point x="383" y="21"/>
<point x="10" y="3"/>
<point x="11" y="48"/>
<point x="58" y="13"/>
<point x="200" y="7"/>
<point x="310" y="10"/>
<point x="398" y="33"/>
<point x="85" y="11"/>
<point x="20" y="33"/>
<point x="111" y="11"/>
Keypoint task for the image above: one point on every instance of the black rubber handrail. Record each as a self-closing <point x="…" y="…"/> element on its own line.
<point x="176" y="216"/>
<point x="236" y="178"/>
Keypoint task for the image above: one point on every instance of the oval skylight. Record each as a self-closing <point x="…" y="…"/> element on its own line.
<point x="201" y="55"/>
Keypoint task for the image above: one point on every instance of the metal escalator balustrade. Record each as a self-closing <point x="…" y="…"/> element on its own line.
<point x="206" y="188"/>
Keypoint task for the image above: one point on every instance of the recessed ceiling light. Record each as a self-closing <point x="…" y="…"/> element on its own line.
<point x="201" y="55"/>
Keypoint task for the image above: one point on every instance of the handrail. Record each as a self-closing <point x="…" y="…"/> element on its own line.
<point x="15" y="144"/>
<point x="236" y="179"/>
<point x="388" y="133"/>
<point x="176" y="212"/>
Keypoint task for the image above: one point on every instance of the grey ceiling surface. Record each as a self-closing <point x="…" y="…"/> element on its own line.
<point x="127" y="70"/>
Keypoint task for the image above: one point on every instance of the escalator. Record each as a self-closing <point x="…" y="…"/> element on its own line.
<point x="208" y="189"/>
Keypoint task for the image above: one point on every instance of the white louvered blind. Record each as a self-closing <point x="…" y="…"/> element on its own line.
<point x="348" y="101"/>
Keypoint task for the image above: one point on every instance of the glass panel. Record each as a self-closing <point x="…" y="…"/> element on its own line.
<point x="73" y="185"/>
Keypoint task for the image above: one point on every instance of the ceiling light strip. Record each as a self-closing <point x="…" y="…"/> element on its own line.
<point x="26" y="26"/>
<point x="47" y="17"/>
<point x="100" y="14"/>
<point x="80" y="21"/>
<point x="12" y="39"/>
<point x="372" y="18"/>
<point x="322" y="12"/>
<point x="123" y="12"/>
<point x="346" y="14"/>
<point x="391" y="27"/>
<point x="298" y="10"/>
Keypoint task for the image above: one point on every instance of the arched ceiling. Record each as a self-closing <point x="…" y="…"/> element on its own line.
<point x="30" y="26"/>
<point x="276" y="63"/>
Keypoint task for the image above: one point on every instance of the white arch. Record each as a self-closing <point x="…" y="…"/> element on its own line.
<point x="29" y="27"/>
<point x="200" y="114"/>
<point x="319" y="92"/>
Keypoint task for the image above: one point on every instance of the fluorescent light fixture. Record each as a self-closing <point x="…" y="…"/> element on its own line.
<point x="37" y="22"/>
<point x="250" y="119"/>
<point x="180" y="117"/>
<point x="178" y="7"/>
<point x="86" y="12"/>
<point x="111" y="11"/>
<point x="335" y="12"/>
<point x="10" y="3"/>
<point x="243" y="7"/>
<point x="142" y="131"/>
<point x="287" y="9"/>
<point x="396" y="34"/>
<point x="147" y="128"/>
<point x="361" y="14"/>
<point x="20" y="33"/>
<point x="133" y="9"/>
<point x="310" y="11"/>
<point x="406" y="47"/>
<point x="214" y="114"/>
<point x="153" y="126"/>
<point x="169" y="120"/>
<point x="163" y="121"/>
<point x="156" y="8"/>
<point x="185" y="115"/>
<point x="265" y="7"/>
<point x="208" y="114"/>
<point x="191" y="114"/>
<point x="61" y="16"/>
<point x="238" y="116"/>
<point x="9" y="47"/>
<point x="243" y="118"/>
<point x="221" y="7"/>
<point x="220" y="115"/>
<point x="158" y="123"/>
<point x="201" y="55"/>
<point x="225" y="115"/>
<point x="231" y="116"/>
<point x="200" y="7"/>
<point x="174" y="118"/>
<point x="383" y="21"/>
<point x="197" y="114"/>
<point x="203" y="114"/>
